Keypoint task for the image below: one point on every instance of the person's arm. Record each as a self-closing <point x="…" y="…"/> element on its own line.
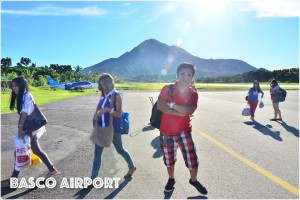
<point x="248" y="94"/>
<point x="185" y="110"/>
<point x="101" y="112"/>
<point x="262" y="93"/>
<point x="22" y="121"/>
<point x="163" y="107"/>
<point x="117" y="113"/>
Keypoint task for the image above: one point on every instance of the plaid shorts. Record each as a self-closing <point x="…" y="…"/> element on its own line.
<point x="169" y="145"/>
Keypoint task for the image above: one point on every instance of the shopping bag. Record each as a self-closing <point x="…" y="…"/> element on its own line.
<point x="261" y="104"/>
<point x="22" y="147"/>
<point x="35" y="160"/>
<point x="246" y="111"/>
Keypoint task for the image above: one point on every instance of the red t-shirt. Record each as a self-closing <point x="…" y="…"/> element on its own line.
<point x="173" y="124"/>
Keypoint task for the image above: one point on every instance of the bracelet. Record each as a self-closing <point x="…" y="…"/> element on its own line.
<point x="171" y="105"/>
<point x="112" y="110"/>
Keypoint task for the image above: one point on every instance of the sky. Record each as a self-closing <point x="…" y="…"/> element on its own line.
<point x="263" y="33"/>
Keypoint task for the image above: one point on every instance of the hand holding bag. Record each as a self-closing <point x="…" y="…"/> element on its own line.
<point x="103" y="136"/>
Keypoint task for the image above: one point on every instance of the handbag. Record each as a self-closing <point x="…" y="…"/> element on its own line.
<point x="103" y="136"/>
<point x="35" y="120"/>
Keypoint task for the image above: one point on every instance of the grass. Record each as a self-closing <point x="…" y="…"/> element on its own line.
<point x="43" y="95"/>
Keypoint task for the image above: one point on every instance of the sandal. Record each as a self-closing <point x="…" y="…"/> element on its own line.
<point x="273" y="119"/>
<point x="130" y="175"/>
<point x="279" y="119"/>
<point x="53" y="173"/>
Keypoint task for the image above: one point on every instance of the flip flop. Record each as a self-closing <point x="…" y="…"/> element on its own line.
<point x="130" y="175"/>
<point x="51" y="174"/>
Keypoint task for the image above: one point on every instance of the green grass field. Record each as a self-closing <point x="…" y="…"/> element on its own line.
<point x="43" y="95"/>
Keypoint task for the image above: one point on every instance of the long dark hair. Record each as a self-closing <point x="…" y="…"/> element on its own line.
<point x="258" y="87"/>
<point x="23" y="87"/>
<point x="105" y="79"/>
<point x="273" y="83"/>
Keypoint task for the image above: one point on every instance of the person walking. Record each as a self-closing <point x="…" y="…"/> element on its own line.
<point x="23" y="100"/>
<point x="253" y="97"/>
<point x="274" y="89"/>
<point x="175" y="128"/>
<point x="106" y="86"/>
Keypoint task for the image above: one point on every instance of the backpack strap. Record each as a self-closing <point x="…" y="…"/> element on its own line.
<point x="171" y="90"/>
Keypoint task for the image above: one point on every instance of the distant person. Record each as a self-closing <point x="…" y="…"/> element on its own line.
<point x="253" y="97"/>
<point x="175" y="128"/>
<point x="23" y="100"/>
<point x="274" y="88"/>
<point x="106" y="86"/>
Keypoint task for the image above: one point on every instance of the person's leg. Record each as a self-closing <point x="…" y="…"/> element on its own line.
<point x="188" y="149"/>
<point x="253" y="104"/>
<point x="278" y="110"/>
<point x="117" y="141"/>
<point x="36" y="149"/>
<point x="275" y="110"/>
<point x="168" y="148"/>
<point x="97" y="161"/>
<point x="15" y="173"/>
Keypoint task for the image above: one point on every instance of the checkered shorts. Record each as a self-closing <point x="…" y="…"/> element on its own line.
<point x="170" y="144"/>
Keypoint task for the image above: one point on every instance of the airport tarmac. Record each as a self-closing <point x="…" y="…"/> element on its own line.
<point x="238" y="158"/>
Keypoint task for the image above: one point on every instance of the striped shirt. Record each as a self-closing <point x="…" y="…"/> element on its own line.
<point x="105" y="118"/>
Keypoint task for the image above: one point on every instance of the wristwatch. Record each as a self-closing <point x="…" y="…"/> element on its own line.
<point x="172" y="104"/>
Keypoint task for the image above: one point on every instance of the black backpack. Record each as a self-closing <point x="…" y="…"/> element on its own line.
<point x="156" y="114"/>
<point x="281" y="94"/>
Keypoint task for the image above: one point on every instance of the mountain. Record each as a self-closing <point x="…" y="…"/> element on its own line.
<point x="152" y="57"/>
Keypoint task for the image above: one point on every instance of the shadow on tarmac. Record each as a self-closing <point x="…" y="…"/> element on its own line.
<point x="168" y="194"/>
<point x="82" y="193"/>
<point x="120" y="188"/>
<point x="5" y="191"/>
<point x="198" y="197"/>
<point x="155" y="145"/>
<point x="288" y="128"/>
<point x="265" y="130"/>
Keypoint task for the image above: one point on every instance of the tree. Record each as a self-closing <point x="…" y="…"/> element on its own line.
<point x="24" y="61"/>
<point x="78" y="69"/>
<point x="6" y="62"/>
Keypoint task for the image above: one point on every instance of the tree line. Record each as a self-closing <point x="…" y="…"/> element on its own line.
<point x="261" y="75"/>
<point x="36" y="76"/>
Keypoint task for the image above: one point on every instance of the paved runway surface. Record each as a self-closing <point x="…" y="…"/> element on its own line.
<point x="238" y="158"/>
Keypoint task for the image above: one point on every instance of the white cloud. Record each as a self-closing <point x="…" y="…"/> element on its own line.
<point x="130" y="12"/>
<point x="59" y="11"/>
<point x="276" y="8"/>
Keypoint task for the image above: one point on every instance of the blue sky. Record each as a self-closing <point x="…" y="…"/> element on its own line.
<point x="263" y="33"/>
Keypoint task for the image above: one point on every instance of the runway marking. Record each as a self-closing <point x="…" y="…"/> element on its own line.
<point x="259" y="169"/>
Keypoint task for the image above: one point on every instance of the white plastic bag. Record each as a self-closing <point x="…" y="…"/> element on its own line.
<point x="22" y="147"/>
<point x="246" y="111"/>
